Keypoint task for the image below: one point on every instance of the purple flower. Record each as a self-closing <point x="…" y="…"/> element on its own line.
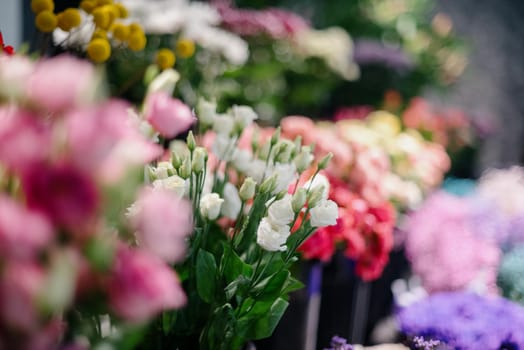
<point x="373" y="52"/>
<point x="465" y="321"/>
<point x="339" y="343"/>
<point x="421" y="343"/>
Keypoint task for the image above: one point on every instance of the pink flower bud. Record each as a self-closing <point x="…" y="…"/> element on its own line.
<point x="167" y="115"/>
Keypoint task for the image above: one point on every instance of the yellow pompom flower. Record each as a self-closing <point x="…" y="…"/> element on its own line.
<point x="88" y="5"/>
<point x="137" y="40"/>
<point x="135" y="27"/>
<point x="104" y="2"/>
<point x="185" y="48"/>
<point x="99" y="50"/>
<point x="165" y="58"/>
<point x="46" y="21"/>
<point x="101" y="17"/>
<point x="69" y="19"/>
<point x="122" y="9"/>
<point x="99" y="34"/>
<point x="113" y="12"/>
<point x="121" y="31"/>
<point x="42" y="5"/>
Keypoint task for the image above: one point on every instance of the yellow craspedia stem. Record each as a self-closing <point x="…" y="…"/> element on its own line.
<point x="46" y="21"/>
<point x="101" y="17"/>
<point x="88" y="5"/>
<point x="137" y="40"/>
<point x="165" y="58"/>
<point x="69" y="19"/>
<point x="42" y="5"/>
<point x="99" y="50"/>
<point x="185" y="48"/>
<point x="121" y="31"/>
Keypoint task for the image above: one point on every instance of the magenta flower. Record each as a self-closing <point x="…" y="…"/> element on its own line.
<point x="20" y="285"/>
<point x="163" y="221"/>
<point x="103" y="141"/>
<point x="61" y="83"/>
<point x="142" y="285"/>
<point x="22" y="233"/>
<point x="23" y="139"/>
<point x="167" y="115"/>
<point x="63" y="193"/>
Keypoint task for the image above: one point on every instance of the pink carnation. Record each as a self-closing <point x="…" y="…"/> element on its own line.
<point x="61" y="83"/>
<point x="167" y="115"/>
<point x="65" y="194"/>
<point x="104" y="141"/>
<point x="23" y="138"/>
<point x="23" y="234"/>
<point x="141" y="285"/>
<point x="163" y="222"/>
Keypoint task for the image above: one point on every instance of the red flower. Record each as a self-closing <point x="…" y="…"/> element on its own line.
<point x="7" y="49"/>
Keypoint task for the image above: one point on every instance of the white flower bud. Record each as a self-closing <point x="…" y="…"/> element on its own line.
<point x="323" y="163"/>
<point x="232" y="202"/>
<point x="281" y="212"/>
<point x="206" y="112"/>
<point x="303" y="160"/>
<point x="174" y="183"/>
<point x="243" y="116"/>
<point x="223" y="124"/>
<point x="324" y="214"/>
<point x="319" y="181"/>
<point x="299" y="199"/>
<point x="190" y="141"/>
<point x="163" y="170"/>
<point x="165" y="81"/>
<point x="247" y="190"/>
<point x="272" y="238"/>
<point x="283" y="151"/>
<point x="315" y="196"/>
<point x="275" y="137"/>
<point x="185" y="168"/>
<point x="269" y="184"/>
<point x="199" y="160"/>
<point x="210" y="206"/>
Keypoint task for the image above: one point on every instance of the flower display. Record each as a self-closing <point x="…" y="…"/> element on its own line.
<point x="58" y="226"/>
<point x="465" y="321"/>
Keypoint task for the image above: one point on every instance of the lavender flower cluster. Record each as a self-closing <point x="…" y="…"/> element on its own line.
<point x="465" y="321"/>
<point x="423" y="344"/>
<point x="339" y="343"/>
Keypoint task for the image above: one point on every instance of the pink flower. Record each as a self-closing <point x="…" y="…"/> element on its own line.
<point x="104" y="141"/>
<point x="63" y="193"/>
<point x="61" y="83"/>
<point x="22" y="233"/>
<point x="20" y="285"/>
<point x="141" y="285"/>
<point x="356" y="112"/>
<point x="163" y="222"/>
<point x="294" y="126"/>
<point x="23" y="139"/>
<point x="167" y="115"/>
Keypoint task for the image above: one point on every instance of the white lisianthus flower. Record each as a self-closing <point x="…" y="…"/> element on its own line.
<point x="287" y="173"/>
<point x="324" y="214"/>
<point x="241" y="160"/>
<point x="318" y="180"/>
<point x="303" y="160"/>
<point x="256" y="170"/>
<point x="162" y="170"/>
<point x="243" y="116"/>
<point x="222" y="147"/>
<point x="210" y="205"/>
<point x="165" y="81"/>
<point x="272" y="238"/>
<point x="281" y="212"/>
<point x="223" y="124"/>
<point x="206" y="112"/>
<point x="174" y="183"/>
<point x="232" y="202"/>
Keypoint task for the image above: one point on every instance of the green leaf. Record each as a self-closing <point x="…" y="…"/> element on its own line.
<point x="206" y="270"/>
<point x="265" y="326"/>
<point x="270" y="288"/>
<point x="234" y="266"/>
<point x="241" y="282"/>
<point x="291" y="285"/>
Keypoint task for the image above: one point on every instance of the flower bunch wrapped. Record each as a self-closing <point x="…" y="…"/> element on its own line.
<point x="465" y="321"/>
<point x="72" y="265"/>
<point x="252" y="210"/>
